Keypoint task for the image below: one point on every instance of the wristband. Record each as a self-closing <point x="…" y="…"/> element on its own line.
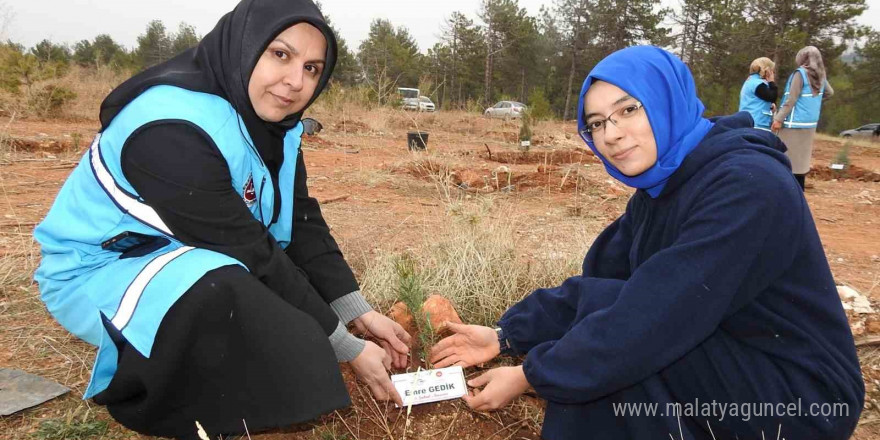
<point x="506" y="349"/>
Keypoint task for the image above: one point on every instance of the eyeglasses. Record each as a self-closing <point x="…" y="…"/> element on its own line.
<point x="621" y="118"/>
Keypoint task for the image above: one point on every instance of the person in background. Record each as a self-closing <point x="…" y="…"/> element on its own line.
<point x="759" y="92"/>
<point x="797" y="119"/>
<point x="711" y="287"/>
<point x="186" y="246"/>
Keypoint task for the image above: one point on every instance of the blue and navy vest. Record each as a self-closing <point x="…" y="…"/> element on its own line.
<point x="757" y="107"/>
<point x="79" y="281"/>
<point x="805" y="113"/>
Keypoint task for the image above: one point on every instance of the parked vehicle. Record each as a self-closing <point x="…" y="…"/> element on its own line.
<point x="422" y="104"/>
<point x="865" y="131"/>
<point x="406" y="92"/>
<point x="409" y="98"/>
<point x="426" y="105"/>
<point x="506" y="109"/>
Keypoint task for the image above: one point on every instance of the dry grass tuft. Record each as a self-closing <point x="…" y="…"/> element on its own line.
<point x="472" y="260"/>
<point x="89" y="85"/>
<point x="862" y="142"/>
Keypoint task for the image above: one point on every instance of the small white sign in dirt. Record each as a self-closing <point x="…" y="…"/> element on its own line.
<point x="428" y="386"/>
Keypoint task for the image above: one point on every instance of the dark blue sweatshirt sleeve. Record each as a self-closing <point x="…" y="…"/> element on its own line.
<point x="738" y="237"/>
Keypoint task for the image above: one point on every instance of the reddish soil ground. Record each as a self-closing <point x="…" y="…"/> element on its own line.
<point x="378" y="195"/>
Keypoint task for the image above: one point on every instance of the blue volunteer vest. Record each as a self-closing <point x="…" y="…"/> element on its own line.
<point x="757" y="107"/>
<point x="79" y="281"/>
<point x="805" y="113"/>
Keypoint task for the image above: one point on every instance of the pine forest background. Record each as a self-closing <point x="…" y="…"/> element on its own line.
<point x="505" y="53"/>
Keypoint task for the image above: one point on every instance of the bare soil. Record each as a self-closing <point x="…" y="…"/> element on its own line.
<point x="379" y="196"/>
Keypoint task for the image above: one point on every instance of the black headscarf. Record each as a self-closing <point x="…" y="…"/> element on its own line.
<point x="222" y="64"/>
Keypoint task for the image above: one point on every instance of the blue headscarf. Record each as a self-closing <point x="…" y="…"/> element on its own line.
<point x="666" y="89"/>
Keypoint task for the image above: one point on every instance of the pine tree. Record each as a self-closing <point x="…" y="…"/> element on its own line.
<point x="512" y="43"/>
<point x="460" y="55"/>
<point x="574" y="18"/>
<point x="347" y="71"/>
<point x="389" y="58"/>
<point x="154" y="45"/>
<point x="184" y="39"/>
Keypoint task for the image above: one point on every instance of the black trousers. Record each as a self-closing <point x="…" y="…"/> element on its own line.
<point x="229" y="352"/>
<point x="801" y="180"/>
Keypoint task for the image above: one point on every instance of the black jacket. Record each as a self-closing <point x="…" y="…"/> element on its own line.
<point x="168" y="162"/>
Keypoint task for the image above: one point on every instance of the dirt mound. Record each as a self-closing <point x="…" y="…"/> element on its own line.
<point x="552" y="157"/>
<point x="851" y="172"/>
<point x="317" y="142"/>
<point x="470" y="179"/>
<point x="565" y="179"/>
<point x="33" y="145"/>
<point x="505" y="136"/>
<point x="425" y="167"/>
<point x="351" y="126"/>
<point x="558" y="178"/>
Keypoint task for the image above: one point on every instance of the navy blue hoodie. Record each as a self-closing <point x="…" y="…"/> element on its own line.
<point x="717" y="291"/>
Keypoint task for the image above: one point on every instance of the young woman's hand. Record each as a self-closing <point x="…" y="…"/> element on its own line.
<point x="776" y="126"/>
<point x="371" y="366"/>
<point x="469" y="345"/>
<point x="391" y="336"/>
<point x="502" y="385"/>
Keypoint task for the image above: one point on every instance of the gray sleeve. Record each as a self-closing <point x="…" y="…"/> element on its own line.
<point x="345" y="345"/>
<point x="350" y="306"/>
<point x="797" y="85"/>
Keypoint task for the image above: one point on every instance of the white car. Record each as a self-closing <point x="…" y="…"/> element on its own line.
<point x="506" y="109"/>
<point x="865" y="131"/>
<point x="422" y="104"/>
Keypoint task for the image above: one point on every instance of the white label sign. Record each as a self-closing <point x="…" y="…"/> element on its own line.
<point x="430" y="385"/>
<point x="525" y="143"/>
<point x="837" y="166"/>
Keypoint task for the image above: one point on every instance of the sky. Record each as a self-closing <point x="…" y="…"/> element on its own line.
<point x="30" y="21"/>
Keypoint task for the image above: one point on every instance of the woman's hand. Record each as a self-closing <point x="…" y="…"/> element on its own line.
<point x="502" y="385"/>
<point x="776" y="126"/>
<point x="391" y="336"/>
<point x="371" y="367"/>
<point x="469" y="345"/>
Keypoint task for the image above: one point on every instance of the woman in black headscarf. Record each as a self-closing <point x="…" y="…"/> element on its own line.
<point x="186" y="246"/>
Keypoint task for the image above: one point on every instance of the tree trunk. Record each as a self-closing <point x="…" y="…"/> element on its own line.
<point x="454" y="62"/>
<point x="443" y="92"/>
<point x="487" y="81"/>
<point x="570" y="81"/>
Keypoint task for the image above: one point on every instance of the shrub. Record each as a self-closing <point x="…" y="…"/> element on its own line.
<point x="539" y="106"/>
<point x="843" y="155"/>
<point x="50" y="100"/>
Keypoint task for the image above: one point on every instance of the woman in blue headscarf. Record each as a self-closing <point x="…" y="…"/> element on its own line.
<point x="707" y="310"/>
